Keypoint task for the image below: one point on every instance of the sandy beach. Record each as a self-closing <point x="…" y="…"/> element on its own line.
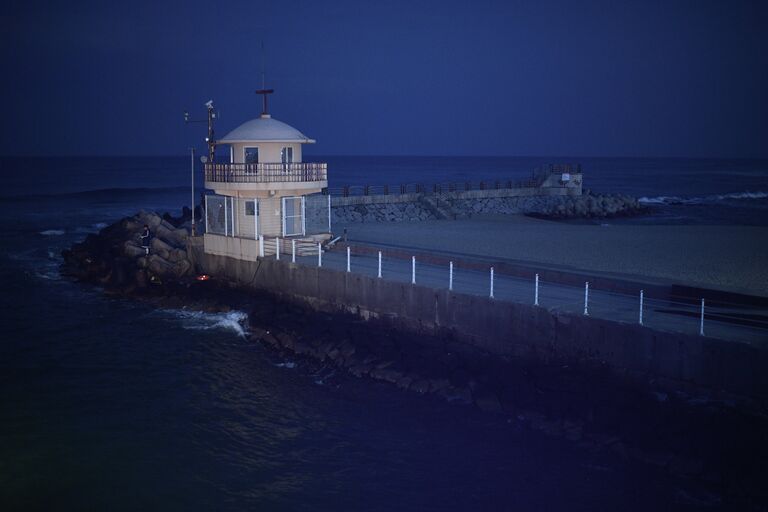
<point x="733" y="258"/>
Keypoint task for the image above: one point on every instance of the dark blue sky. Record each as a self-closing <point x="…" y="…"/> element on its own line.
<point x="549" y="78"/>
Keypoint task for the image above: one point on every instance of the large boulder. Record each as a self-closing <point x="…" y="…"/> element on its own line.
<point x="152" y="220"/>
<point x="159" y="267"/>
<point x="159" y="248"/>
<point x="172" y="236"/>
<point x="132" y="249"/>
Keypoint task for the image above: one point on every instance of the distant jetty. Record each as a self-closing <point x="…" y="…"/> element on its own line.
<point x="454" y="205"/>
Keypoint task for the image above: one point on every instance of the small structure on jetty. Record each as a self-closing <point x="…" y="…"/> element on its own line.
<point x="265" y="198"/>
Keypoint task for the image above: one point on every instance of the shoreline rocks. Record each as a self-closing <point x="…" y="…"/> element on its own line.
<point x="114" y="258"/>
<point x="433" y="207"/>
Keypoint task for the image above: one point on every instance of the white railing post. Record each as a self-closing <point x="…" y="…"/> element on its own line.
<point x="536" y="292"/>
<point x="450" y="276"/>
<point x="293" y="251"/>
<point x="586" y="298"/>
<point x="641" y="307"/>
<point x="232" y="212"/>
<point x="491" y="282"/>
<point x="379" y="274"/>
<point x="348" y="260"/>
<point x="701" y="322"/>
<point x="226" y="218"/>
<point x="319" y="254"/>
<point x="277" y="248"/>
<point x="206" y="214"/>
<point x="329" y="213"/>
<point x="261" y="246"/>
<point x="413" y="269"/>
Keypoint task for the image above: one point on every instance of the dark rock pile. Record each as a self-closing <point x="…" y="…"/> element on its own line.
<point x="445" y="207"/>
<point x="114" y="258"/>
<point x="592" y="206"/>
<point x="586" y="405"/>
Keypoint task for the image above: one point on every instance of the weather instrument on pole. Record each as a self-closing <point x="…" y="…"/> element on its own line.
<point x="210" y="139"/>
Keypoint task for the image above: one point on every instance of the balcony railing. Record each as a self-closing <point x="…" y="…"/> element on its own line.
<point x="266" y="173"/>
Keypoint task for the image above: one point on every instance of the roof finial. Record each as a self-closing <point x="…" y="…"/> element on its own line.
<point x="264" y="91"/>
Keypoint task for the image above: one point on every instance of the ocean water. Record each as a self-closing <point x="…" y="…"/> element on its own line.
<point x="110" y="404"/>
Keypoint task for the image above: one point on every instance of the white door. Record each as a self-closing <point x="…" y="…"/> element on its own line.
<point x="293" y="216"/>
<point x="252" y="209"/>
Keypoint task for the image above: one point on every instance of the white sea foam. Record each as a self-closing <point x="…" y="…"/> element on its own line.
<point x="51" y="275"/>
<point x="52" y="232"/>
<point x="703" y="199"/>
<point x="234" y="321"/>
<point x="93" y="228"/>
<point x="745" y="195"/>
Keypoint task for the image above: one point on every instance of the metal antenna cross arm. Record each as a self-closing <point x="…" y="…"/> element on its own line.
<point x="264" y="93"/>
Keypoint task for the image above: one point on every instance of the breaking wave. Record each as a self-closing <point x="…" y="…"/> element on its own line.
<point x="234" y="321"/>
<point x="52" y="232"/>
<point x="703" y="199"/>
<point x="93" y="228"/>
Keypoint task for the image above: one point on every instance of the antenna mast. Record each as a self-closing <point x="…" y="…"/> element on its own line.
<point x="264" y="91"/>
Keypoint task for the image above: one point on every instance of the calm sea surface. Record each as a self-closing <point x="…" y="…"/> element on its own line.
<point x="111" y="404"/>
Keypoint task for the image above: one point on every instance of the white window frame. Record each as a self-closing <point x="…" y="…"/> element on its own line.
<point x="258" y="153"/>
<point x="255" y="215"/>
<point x="284" y="153"/>
<point x="282" y="212"/>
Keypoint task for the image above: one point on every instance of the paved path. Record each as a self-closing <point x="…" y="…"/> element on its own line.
<point x="658" y="314"/>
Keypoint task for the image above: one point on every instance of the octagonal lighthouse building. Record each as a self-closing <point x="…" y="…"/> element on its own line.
<point x="265" y="200"/>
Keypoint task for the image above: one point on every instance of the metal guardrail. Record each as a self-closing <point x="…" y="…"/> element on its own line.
<point x="266" y="172"/>
<point x="689" y="315"/>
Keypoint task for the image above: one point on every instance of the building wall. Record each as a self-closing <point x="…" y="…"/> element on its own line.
<point x="270" y="219"/>
<point x="269" y="152"/>
<point x="270" y="216"/>
<point x="244" y="224"/>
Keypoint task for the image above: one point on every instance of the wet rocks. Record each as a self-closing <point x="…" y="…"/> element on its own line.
<point x="445" y="207"/>
<point x="114" y="257"/>
<point x="592" y="206"/>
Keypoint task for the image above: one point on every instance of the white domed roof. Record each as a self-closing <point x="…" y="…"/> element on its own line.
<point x="265" y="129"/>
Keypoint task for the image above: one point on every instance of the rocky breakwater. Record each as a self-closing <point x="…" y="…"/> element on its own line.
<point x="431" y="207"/>
<point x="704" y="441"/>
<point x="114" y="258"/>
<point x="591" y="206"/>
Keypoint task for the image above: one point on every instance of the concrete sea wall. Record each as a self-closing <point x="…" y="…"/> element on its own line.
<point x="548" y="200"/>
<point x="511" y="329"/>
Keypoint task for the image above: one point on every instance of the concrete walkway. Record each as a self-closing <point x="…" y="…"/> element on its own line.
<point x="730" y="258"/>
<point x="662" y="315"/>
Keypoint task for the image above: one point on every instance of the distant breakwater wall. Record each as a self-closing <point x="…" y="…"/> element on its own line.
<point x="510" y="329"/>
<point x="551" y="202"/>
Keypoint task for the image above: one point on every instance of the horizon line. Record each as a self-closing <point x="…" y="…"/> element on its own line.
<point x="613" y="157"/>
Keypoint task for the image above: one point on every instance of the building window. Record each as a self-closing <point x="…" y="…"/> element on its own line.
<point x="286" y="155"/>
<point x="293" y="216"/>
<point x="251" y="155"/>
<point x="251" y="208"/>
